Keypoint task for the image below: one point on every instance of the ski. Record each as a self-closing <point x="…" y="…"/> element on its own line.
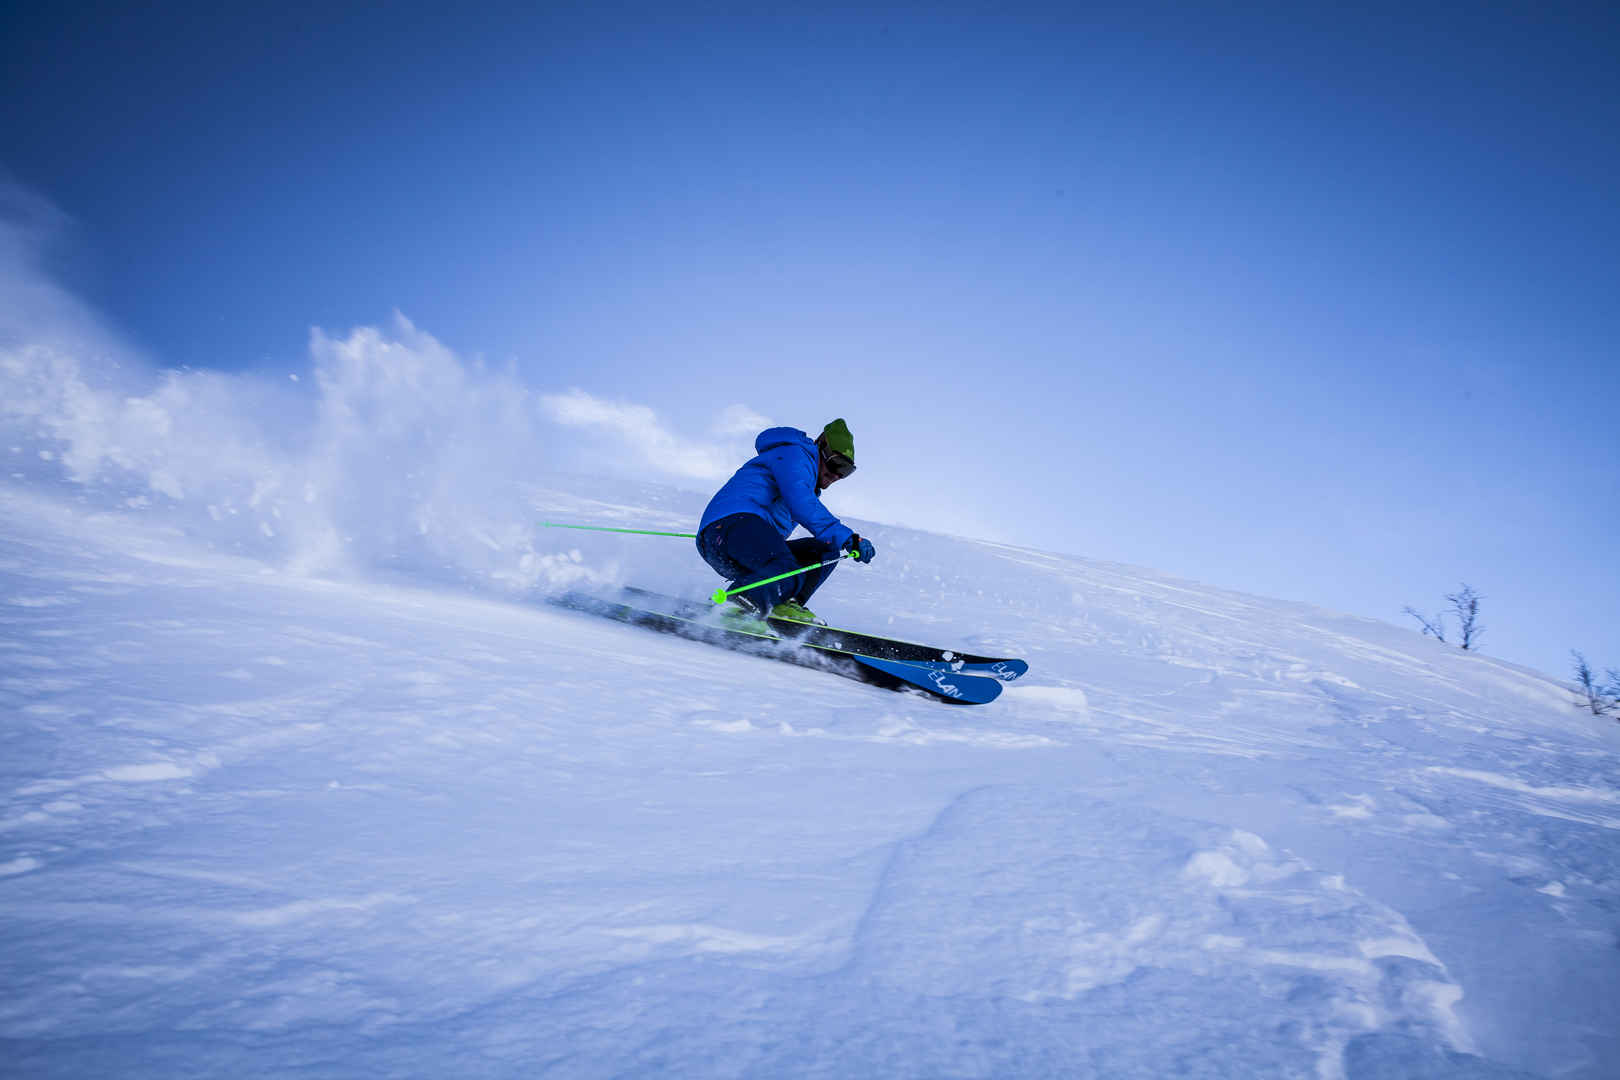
<point x="1000" y="670"/>
<point x="683" y="618"/>
<point x="1005" y="669"/>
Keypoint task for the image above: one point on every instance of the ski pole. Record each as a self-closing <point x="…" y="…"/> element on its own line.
<point x="604" y="528"/>
<point x="720" y="596"/>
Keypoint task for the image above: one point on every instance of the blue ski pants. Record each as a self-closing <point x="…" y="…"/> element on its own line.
<point x="744" y="548"/>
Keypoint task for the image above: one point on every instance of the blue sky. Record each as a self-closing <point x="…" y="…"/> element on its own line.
<point x="1316" y="305"/>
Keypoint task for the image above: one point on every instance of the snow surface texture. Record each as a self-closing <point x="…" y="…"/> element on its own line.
<point x="300" y="775"/>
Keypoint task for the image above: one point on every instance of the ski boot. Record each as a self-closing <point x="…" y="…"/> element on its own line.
<point x="737" y="614"/>
<point x="794" y="611"/>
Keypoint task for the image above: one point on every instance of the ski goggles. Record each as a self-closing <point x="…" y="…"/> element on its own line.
<point x="837" y="464"/>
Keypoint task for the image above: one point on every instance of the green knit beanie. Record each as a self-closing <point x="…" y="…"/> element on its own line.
<point x="836" y="437"/>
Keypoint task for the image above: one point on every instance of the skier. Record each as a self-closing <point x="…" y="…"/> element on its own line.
<point x="743" y="534"/>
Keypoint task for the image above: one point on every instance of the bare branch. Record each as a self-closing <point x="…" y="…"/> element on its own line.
<point x="1588" y="694"/>
<point x="1436" y="628"/>
<point x="1465" y="605"/>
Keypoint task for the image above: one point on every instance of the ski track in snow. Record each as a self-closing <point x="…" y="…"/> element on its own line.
<point x="262" y="824"/>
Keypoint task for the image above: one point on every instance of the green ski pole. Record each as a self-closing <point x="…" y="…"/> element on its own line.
<point x="604" y="528"/>
<point x="720" y="596"/>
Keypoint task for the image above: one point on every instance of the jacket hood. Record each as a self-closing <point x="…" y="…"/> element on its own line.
<point x="771" y="438"/>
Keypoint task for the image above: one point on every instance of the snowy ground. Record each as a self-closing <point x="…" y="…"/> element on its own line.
<point x="253" y="823"/>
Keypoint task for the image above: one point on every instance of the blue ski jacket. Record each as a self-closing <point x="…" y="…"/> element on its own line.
<point x="779" y="485"/>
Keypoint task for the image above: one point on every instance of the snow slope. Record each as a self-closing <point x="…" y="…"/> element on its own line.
<point x="300" y="774"/>
<point x="256" y="823"/>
